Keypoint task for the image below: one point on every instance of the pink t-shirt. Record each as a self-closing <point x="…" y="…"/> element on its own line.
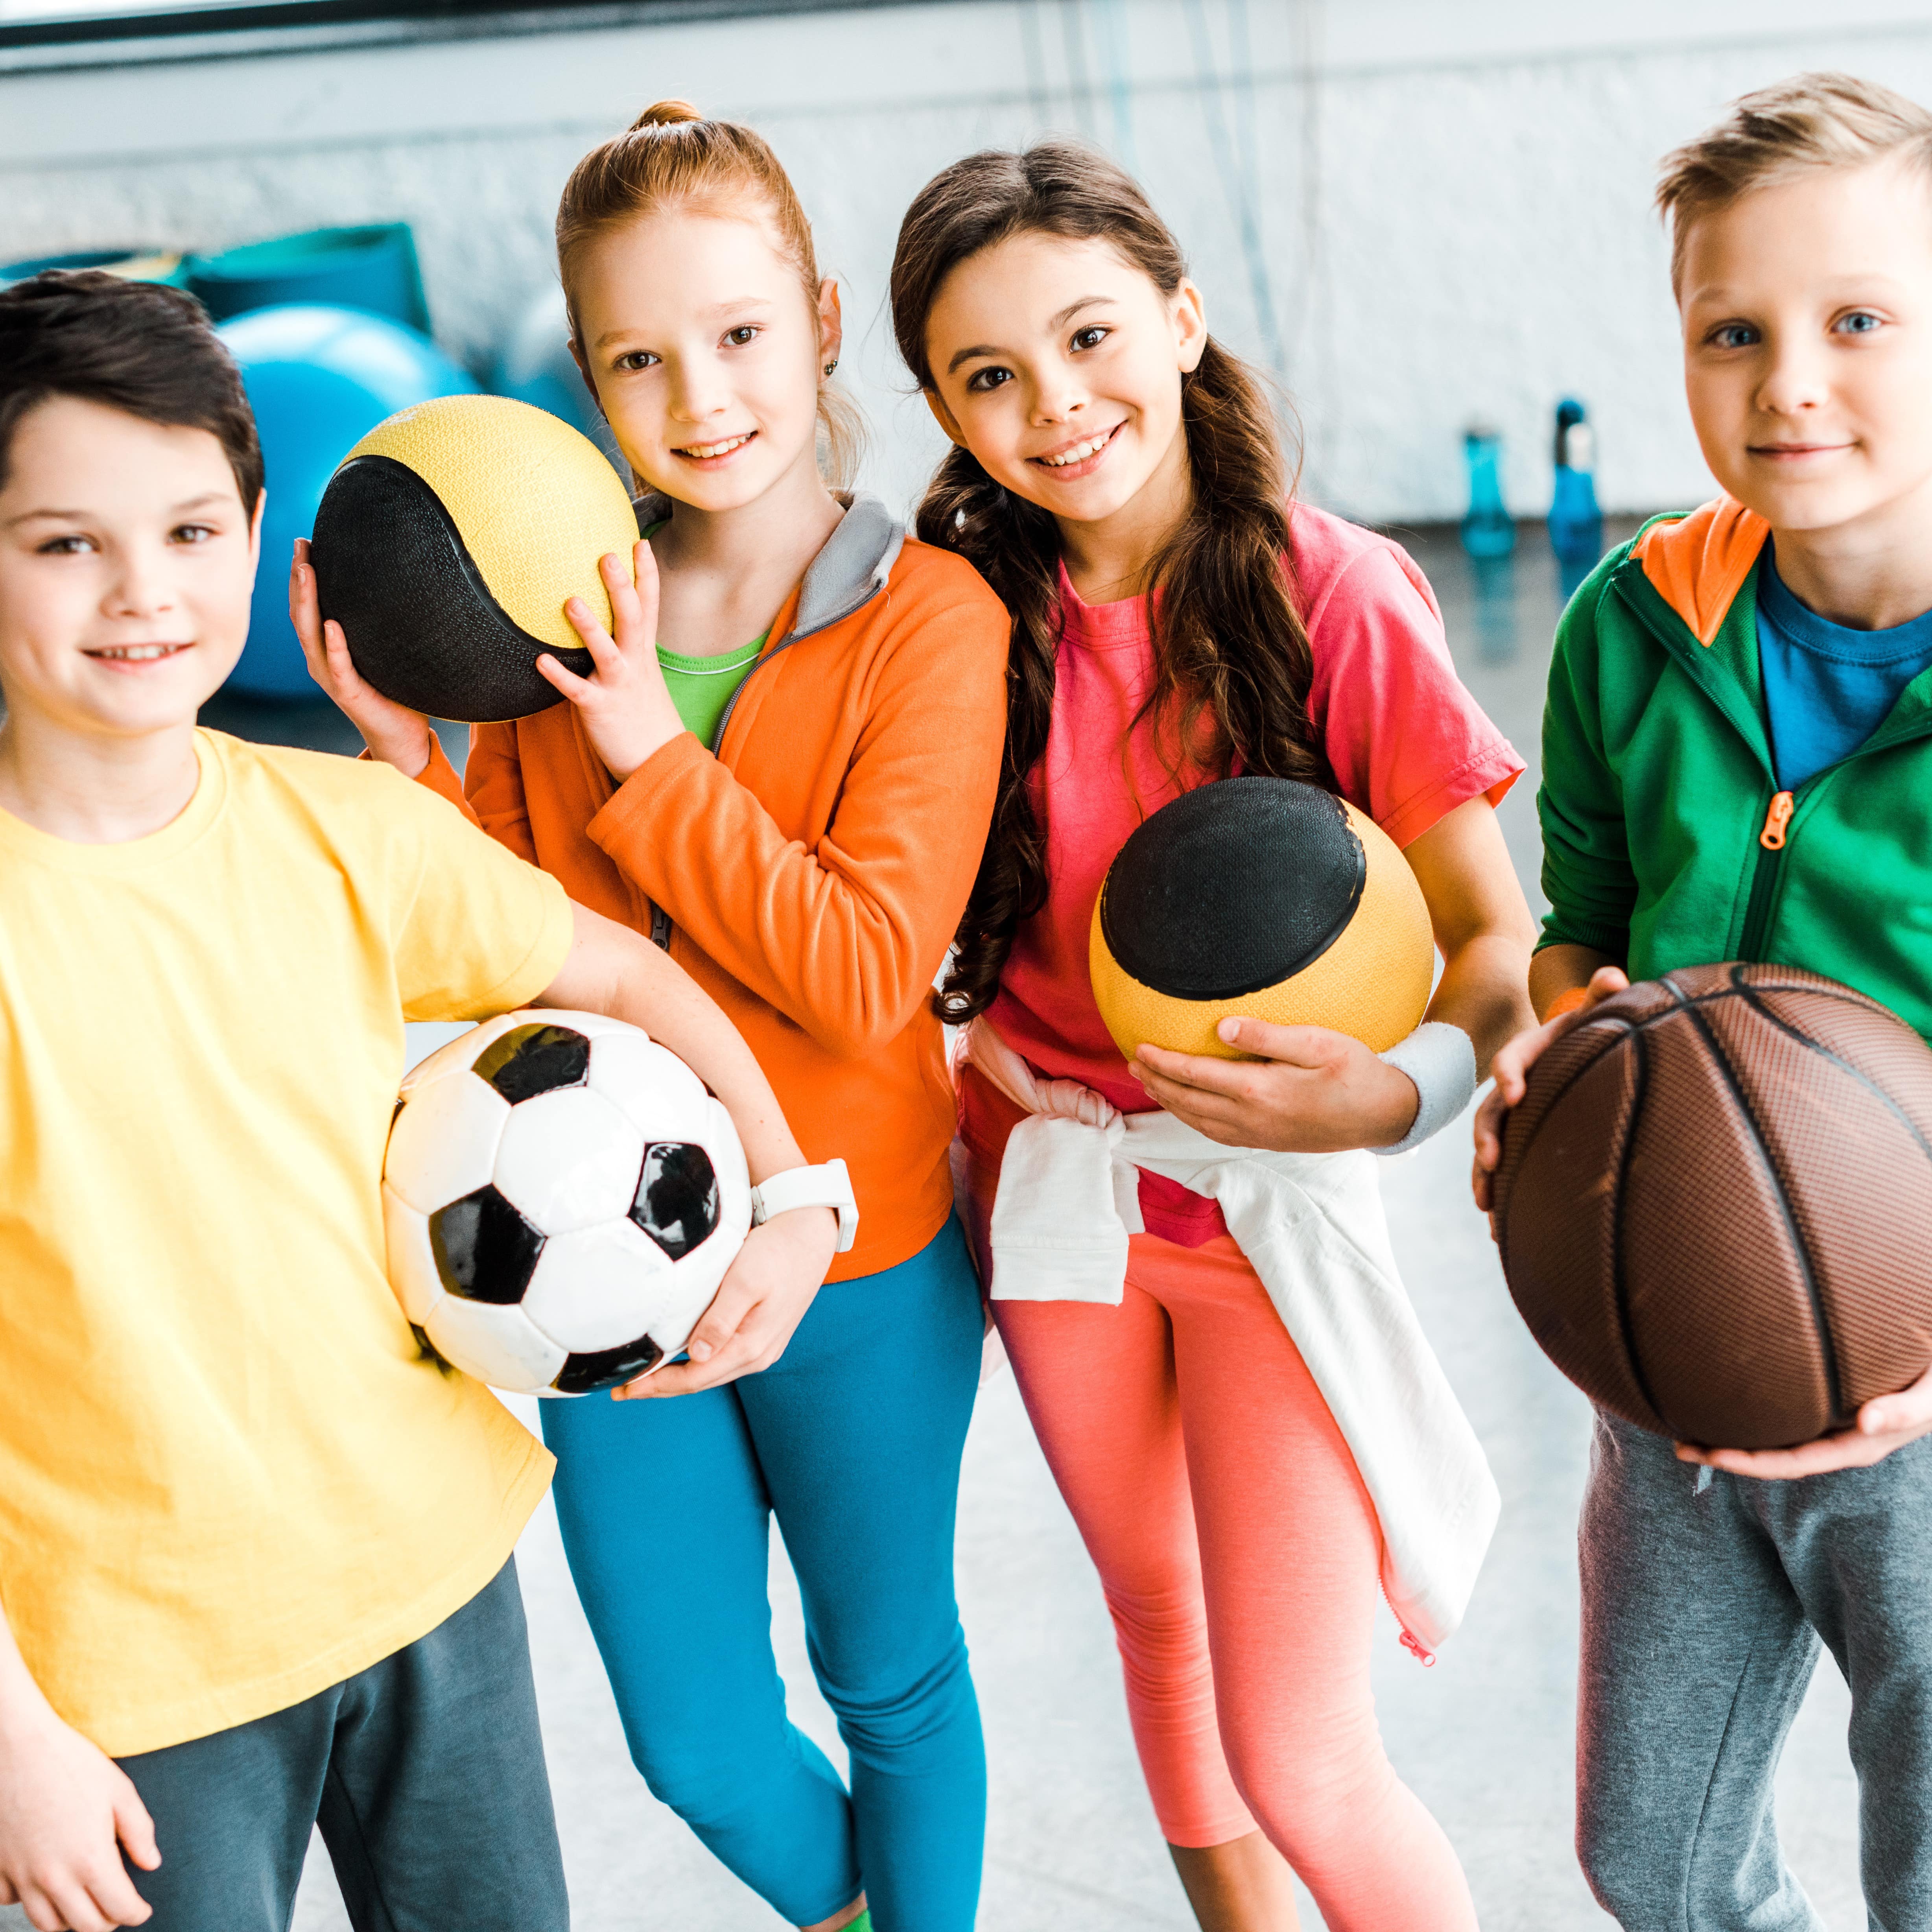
<point x="1407" y="744"/>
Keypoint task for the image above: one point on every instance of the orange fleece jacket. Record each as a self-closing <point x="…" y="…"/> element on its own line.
<point x="813" y="871"/>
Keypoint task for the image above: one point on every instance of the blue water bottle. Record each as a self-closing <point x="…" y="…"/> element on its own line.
<point x="1575" y="523"/>
<point x="1487" y="530"/>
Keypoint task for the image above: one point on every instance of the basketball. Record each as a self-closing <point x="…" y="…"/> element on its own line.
<point x="1713" y="1203"/>
<point x="448" y="543"/>
<point x="1264" y="898"/>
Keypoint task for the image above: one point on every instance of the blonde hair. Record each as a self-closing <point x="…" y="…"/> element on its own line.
<point x="1811" y="122"/>
<point x="672" y="157"/>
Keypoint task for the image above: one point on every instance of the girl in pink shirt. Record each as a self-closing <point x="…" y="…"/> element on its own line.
<point x="1118" y="481"/>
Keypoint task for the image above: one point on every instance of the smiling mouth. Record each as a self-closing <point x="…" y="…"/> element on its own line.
<point x="710" y="452"/>
<point x="1796" y="449"/>
<point x="1075" y="454"/>
<point x="136" y="653"/>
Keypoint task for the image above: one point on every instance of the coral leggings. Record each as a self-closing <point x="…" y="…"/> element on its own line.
<point x="1241" y="1558"/>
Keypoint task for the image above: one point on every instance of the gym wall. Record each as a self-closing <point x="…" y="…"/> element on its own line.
<point x="1418" y="211"/>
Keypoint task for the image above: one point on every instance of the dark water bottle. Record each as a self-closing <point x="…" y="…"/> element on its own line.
<point x="1575" y="523"/>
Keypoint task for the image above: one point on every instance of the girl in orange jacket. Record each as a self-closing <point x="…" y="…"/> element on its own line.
<point x="798" y="817"/>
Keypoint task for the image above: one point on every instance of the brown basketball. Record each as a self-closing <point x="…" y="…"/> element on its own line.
<point x="1714" y="1205"/>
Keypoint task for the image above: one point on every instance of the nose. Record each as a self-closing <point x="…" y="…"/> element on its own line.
<point x="1058" y="396"/>
<point x="143" y="587"/>
<point x="698" y="391"/>
<point x="1796" y="376"/>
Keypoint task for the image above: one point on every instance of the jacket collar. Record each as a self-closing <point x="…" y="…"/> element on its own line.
<point x="1698" y="564"/>
<point x="850" y="569"/>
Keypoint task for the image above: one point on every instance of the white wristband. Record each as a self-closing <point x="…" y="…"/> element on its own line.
<point x="1441" y="1061"/>
<point x="828" y="1185"/>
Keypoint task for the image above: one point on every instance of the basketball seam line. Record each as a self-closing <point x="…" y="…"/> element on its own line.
<point x="1619" y="1290"/>
<point x="1685" y="1002"/>
<point x="1749" y="994"/>
<point x="1827" y="1348"/>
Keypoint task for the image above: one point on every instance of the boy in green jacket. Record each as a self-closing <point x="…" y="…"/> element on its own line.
<point x="1738" y="765"/>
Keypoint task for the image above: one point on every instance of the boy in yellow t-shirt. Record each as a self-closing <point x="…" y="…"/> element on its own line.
<point x="254" y="1545"/>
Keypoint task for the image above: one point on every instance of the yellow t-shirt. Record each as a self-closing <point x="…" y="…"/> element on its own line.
<point x="229" y="1477"/>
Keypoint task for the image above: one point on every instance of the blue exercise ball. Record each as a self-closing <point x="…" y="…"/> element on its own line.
<point x="320" y="379"/>
<point x="537" y="367"/>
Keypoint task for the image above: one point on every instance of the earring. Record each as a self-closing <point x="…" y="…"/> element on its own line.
<point x="831" y="365"/>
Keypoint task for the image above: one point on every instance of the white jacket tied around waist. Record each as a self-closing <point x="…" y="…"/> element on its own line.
<point x="1311" y="1227"/>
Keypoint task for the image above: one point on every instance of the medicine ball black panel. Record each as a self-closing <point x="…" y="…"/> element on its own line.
<point x="1233" y="887"/>
<point x="386" y="555"/>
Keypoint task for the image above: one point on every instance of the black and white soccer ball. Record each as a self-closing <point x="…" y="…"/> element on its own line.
<point x="563" y="1197"/>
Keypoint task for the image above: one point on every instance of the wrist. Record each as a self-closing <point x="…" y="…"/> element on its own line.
<point x="827" y="1186"/>
<point x="409" y="753"/>
<point x="1397" y="1104"/>
<point x="1438" y="1061"/>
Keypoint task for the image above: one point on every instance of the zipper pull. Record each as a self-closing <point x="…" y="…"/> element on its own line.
<point x="1426" y="1658"/>
<point x="1775" y="819"/>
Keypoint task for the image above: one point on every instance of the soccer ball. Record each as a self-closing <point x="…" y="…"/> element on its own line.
<point x="563" y="1197"/>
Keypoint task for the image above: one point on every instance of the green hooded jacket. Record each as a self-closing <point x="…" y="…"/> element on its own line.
<point x="1667" y="841"/>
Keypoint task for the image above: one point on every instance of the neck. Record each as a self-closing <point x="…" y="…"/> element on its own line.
<point x="1869" y="574"/>
<point x="1114" y="557"/>
<point x="95" y="789"/>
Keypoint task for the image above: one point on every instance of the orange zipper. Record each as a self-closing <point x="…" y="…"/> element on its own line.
<point x="1775" y="819"/>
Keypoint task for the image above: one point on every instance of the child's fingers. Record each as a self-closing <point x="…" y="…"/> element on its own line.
<point x="71" y="1906"/>
<point x="45" y="1913"/>
<point x="1310" y="1046"/>
<point x="597" y="640"/>
<point x="629" y="628"/>
<point x="348" y="680"/>
<point x="135" y="1828"/>
<point x="578" y="690"/>
<point x="724" y="1318"/>
<point x="111" y="1892"/>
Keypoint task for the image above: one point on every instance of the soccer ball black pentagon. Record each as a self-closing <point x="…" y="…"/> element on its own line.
<point x="562" y="1199"/>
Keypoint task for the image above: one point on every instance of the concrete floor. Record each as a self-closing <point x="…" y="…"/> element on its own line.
<point x="1485" y="1737"/>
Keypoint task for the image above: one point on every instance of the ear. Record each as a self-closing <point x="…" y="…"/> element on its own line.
<point x="943" y="416"/>
<point x="1189" y="314"/>
<point x="831" y="322"/>
<point x="255" y="528"/>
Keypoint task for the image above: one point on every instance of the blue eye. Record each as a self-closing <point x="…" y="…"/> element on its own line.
<point x="1733" y="335"/>
<point x="983" y="380"/>
<point x="1860" y="322"/>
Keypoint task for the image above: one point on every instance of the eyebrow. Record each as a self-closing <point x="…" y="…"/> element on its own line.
<point x="736" y="302"/>
<point x="1059" y="321"/>
<point x="80" y="516"/>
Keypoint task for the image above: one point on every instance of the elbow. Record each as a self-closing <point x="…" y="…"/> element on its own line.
<point x="857" y="1036"/>
<point x="865" y="1022"/>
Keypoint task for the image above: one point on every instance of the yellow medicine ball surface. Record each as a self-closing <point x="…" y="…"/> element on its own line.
<point x="1370" y="976"/>
<point x="535" y="502"/>
<point x="448" y="543"/>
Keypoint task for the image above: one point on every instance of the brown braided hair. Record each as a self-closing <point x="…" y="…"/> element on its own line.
<point x="1232" y="666"/>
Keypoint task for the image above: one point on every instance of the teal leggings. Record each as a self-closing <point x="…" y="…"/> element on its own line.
<point x="852" y="1437"/>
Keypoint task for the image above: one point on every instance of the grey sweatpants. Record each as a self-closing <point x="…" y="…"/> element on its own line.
<point x="1703" y="1604"/>
<point x="425" y="1772"/>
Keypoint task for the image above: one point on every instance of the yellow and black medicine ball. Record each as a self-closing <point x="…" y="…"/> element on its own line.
<point x="446" y="545"/>
<point x="1266" y="899"/>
